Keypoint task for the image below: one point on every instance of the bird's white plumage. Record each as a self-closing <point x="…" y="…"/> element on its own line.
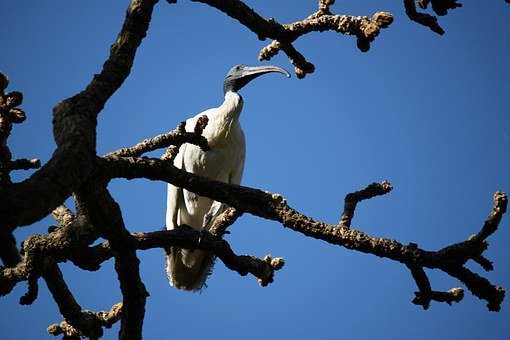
<point x="188" y="269"/>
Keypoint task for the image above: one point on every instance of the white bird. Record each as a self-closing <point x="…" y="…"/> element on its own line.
<point x="188" y="269"/>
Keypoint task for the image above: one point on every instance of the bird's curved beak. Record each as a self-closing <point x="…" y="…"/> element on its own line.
<point x="241" y="75"/>
<point x="252" y="72"/>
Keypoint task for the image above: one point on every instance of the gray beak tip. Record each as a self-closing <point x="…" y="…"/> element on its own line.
<point x="286" y="73"/>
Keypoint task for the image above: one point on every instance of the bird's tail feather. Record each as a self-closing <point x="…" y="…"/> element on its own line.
<point x="184" y="276"/>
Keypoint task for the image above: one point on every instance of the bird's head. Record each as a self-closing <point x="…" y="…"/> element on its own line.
<point x="240" y="75"/>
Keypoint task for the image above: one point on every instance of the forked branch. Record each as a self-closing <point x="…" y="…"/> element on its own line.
<point x="364" y="28"/>
<point x="450" y="259"/>
<point x="75" y="169"/>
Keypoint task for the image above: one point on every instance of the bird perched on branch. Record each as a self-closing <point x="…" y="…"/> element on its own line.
<point x="188" y="269"/>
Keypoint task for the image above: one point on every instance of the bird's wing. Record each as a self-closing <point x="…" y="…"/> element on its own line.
<point x="236" y="173"/>
<point x="174" y="198"/>
<point x="175" y="195"/>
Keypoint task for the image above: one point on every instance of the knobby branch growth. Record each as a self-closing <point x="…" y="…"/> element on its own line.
<point x="364" y="28"/>
<point x="75" y="170"/>
<point x="440" y="7"/>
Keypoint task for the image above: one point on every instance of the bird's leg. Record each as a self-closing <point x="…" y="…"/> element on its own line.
<point x="215" y="209"/>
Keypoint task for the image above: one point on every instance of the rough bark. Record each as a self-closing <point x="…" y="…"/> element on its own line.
<point x="76" y="170"/>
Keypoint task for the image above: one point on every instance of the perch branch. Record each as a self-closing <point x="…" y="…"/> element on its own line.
<point x="223" y="221"/>
<point x="176" y="138"/>
<point x="75" y="167"/>
<point x="263" y="270"/>
<point x="50" y="247"/>
<point x="450" y="259"/>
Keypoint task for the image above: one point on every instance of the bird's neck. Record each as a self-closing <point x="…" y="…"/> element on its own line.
<point x="231" y="107"/>
<point x="224" y="119"/>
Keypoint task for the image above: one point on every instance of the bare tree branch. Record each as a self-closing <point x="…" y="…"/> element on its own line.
<point x="24" y="164"/>
<point x="352" y="199"/>
<point x="441" y="7"/>
<point x="425" y="294"/>
<point x="76" y="169"/>
<point x="424" y="19"/>
<point x="91" y="320"/>
<point x="50" y="247"/>
<point x="223" y="221"/>
<point x="10" y="114"/>
<point x="74" y="127"/>
<point x="9" y="253"/>
<point x="86" y="323"/>
<point x="105" y="214"/>
<point x="450" y="259"/>
<point x="364" y="28"/>
<point x="176" y="138"/>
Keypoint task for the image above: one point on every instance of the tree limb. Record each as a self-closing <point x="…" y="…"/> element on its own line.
<point x="352" y="199"/>
<point x="50" y="247"/>
<point x="74" y="127"/>
<point x="176" y="138"/>
<point x="85" y="323"/>
<point x="450" y="259"/>
<point x="424" y="19"/>
<point x="75" y="168"/>
<point x="364" y="28"/>
<point x="104" y="319"/>
<point x="105" y="215"/>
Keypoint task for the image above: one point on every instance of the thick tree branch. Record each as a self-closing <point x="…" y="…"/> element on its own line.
<point x="263" y="270"/>
<point x="50" y="247"/>
<point x="85" y="323"/>
<point x="105" y="214"/>
<point x="239" y="11"/>
<point x="74" y="127"/>
<point x="272" y="206"/>
<point x="9" y="253"/>
<point x="74" y="167"/>
<point x="223" y="221"/>
<point x="24" y="164"/>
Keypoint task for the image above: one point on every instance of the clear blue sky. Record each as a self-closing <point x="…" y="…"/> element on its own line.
<point x="428" y="113"/>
